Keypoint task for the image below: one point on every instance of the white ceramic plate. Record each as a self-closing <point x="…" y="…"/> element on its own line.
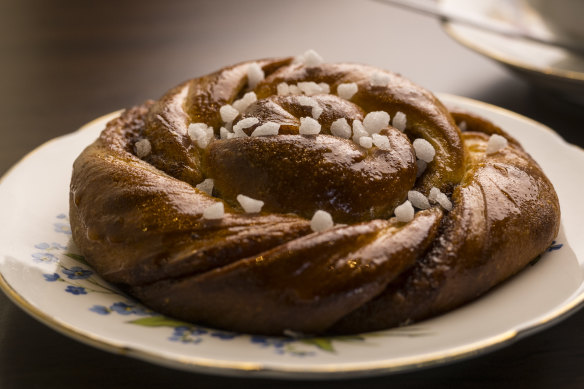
<point x="42" y="273"/>
<point x="554" y="69"/>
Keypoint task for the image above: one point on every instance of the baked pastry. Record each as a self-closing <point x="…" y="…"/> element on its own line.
<point x="278" y="195"/>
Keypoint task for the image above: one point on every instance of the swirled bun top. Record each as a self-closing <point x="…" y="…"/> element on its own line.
<point x="295" y="194"/>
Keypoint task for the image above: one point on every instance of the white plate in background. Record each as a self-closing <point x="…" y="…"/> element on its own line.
<point x="551" y="68"/>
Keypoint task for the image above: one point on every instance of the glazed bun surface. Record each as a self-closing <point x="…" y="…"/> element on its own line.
<point x="296" y="195"/>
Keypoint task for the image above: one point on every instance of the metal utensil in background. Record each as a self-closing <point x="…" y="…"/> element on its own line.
<point x="434" y="9"/>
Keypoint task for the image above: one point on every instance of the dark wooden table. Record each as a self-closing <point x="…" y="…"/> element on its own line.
<point x="64" y="63"/>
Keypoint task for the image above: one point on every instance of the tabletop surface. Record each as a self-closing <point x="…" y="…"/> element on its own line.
<point x="64" y="63"/>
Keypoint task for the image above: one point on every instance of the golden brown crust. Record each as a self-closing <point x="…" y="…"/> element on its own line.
<point x="276" y="172"/>
<point x="506" y="213"/>
<point x="302" y="285"/>
<point x="140" y="222"/>
<point x="427" y="117"/>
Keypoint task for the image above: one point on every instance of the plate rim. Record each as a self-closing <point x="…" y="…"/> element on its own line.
<point x="259" y="370"/>
<point x="325" y="371"/>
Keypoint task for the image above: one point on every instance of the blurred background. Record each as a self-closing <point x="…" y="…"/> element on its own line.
<point x="64" y="63"/>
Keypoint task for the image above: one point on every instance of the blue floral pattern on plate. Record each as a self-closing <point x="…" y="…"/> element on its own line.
<point x="80" y="279"/>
